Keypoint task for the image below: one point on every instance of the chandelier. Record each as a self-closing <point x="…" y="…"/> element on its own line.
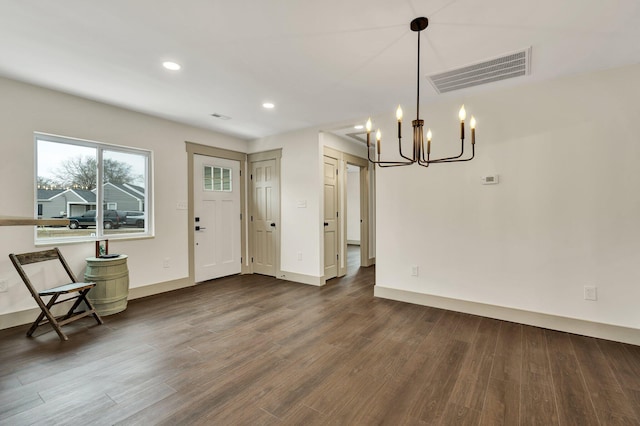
<point x="419" y="154"/>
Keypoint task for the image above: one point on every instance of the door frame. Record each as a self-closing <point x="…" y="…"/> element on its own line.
<point x="210" y="151"/>
<point x="366" y="207"/>
<point x="274" y="154"/>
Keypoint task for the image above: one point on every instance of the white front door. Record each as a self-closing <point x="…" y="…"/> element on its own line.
<point x="216" y="187"/>
<point x="330" y="217"/>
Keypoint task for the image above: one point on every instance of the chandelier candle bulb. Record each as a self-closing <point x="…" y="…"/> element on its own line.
<point x="399" y="117"/>
<point x="379" y="140"/>
<point x="429" y="141"/>
<point x="462" y="114"/>
<point x="473" y="130"/>
<point x="368" y="127"/>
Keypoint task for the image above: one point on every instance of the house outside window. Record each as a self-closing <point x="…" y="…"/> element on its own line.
<point x="94" y="185"/>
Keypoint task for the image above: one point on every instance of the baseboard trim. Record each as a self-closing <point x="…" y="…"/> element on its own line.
<point x="27" y="316"/>
<point x="14" y="319"/>
<point x="150" y="290"/>
<point x="301" y="278"/>
<point x="570" y="325"/>
<point x="371" y="261"/>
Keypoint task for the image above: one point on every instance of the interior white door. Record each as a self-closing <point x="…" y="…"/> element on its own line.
<point x="264" y="216"/>
<point x="330" y="218"/>
<point x="216" y="186"/>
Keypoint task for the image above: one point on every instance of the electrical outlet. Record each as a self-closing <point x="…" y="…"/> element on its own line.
<point x="166" y="263"/>
<point x="590" y="292"/>
<point x="4" y="285"/>
<point x="414" y="270"/>
<point x="299" y="255"/>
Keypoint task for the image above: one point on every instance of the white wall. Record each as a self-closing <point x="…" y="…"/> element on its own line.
<point x="566" y="212"/>
<point x="299" y="181"/>
<point x="26" y="109"/>
<point x="348" y="146"/>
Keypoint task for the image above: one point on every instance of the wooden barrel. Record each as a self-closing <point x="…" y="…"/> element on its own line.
<point x="111" y="276"/>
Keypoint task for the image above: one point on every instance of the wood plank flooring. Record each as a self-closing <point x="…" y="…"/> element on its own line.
<point x="253" y="350"/>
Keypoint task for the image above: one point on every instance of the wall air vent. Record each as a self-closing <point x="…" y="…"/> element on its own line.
<point x="508" y="66"/>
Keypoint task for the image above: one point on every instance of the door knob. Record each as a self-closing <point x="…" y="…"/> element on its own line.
<point x="273" y="224"/>
<point x="200" y="228"/>
<point x="326" y="224"/>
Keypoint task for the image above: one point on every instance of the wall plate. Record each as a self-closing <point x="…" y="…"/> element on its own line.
<point x="490" y="179"/>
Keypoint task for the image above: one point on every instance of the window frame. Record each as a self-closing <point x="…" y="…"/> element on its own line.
<point x="100" y="147"/>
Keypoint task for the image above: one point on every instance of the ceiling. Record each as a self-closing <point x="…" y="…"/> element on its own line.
<point x="319" y="62"/>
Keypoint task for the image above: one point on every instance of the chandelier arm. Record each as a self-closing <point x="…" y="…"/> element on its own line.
<point x="424" y="162"/>
<point x="402" y="154"/>
<point x="441" y="160"/>
<point x="449" y="159"/>
<point x="390" y="163"/>
<point x="412" y="160"/>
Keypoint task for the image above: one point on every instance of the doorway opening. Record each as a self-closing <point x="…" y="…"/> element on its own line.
<point x="341" y="206"/>
<point x="354" y="220"/>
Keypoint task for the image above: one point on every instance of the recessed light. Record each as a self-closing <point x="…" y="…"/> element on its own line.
<point x="171" y="66"/>
<point x="268" y="105"/>
<point x="358" y="127"/>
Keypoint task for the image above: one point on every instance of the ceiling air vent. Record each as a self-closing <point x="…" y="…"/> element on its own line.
<point x="220" y="116"/>
<point x="508" y="66"/>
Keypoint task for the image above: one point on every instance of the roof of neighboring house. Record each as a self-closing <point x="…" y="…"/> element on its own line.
<point x="132" y="190"/>
<point x="137" y="188"/>
<point x="47" y="194"/>
<point x="85" y="194"/>
<point x="90" y="196"/>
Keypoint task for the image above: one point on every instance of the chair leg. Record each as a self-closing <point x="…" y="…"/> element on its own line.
<point x="35" y="323"/>
<point x="73" y="308"/>
<point x="43" y="310"/>
<point x="52" y="320"/>
<point x="83" y="297"/>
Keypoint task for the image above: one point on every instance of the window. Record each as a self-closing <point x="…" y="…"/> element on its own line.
<point x="217" y="179"/>
<point x="95" y="185"/>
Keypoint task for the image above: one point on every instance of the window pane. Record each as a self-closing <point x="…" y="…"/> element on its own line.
<point x="208" y="178"/>
<point x="66" y="181"/>
<point x="226" y="179"/>
<point x="217" y="180"/>
<point x="123" y="191"/>
<point x="68" y="186"/>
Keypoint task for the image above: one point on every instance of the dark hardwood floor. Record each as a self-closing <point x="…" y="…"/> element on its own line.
<point x="251" y="350"/>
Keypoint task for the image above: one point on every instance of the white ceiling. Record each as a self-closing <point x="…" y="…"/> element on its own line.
<point x="318" y="61"/>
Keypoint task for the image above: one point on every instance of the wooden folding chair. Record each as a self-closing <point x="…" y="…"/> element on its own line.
<point x="74" y="287"/>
